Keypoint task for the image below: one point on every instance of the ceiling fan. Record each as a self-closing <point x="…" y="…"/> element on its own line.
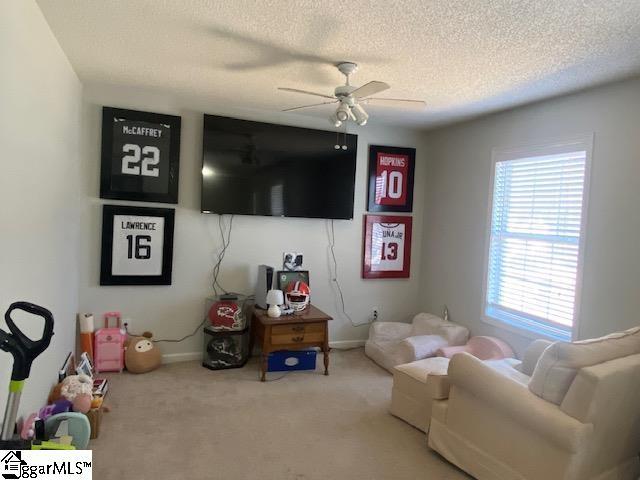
<point x="350" y="98"/>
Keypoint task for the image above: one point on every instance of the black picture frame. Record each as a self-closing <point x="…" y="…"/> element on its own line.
<point x="107" y="276"/>
<point x="406" y="203"/>
<point x="116" y="185"/>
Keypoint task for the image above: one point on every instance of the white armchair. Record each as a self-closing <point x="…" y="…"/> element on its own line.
<point x="396" y="343"/>
<point x="569" y="412"/>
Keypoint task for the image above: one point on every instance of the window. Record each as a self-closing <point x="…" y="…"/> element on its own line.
<point x="536" y="237"/>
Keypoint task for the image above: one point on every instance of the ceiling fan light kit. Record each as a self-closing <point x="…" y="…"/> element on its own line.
<point x="349" y="98"/>
<point x="343" y="113"/>
<point x="361" y="116"/>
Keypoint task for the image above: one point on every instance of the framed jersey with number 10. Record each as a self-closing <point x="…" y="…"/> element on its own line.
<point x="140" y="156"/>
<point x="391" y="171"/>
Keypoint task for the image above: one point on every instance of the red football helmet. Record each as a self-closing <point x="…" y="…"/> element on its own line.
<point x="226" y="315"/>
<point x="297" y="295"/>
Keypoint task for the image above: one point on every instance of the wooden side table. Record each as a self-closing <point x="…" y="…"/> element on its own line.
<point x="305" y="329"/>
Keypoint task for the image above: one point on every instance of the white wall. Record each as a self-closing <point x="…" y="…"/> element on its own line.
<point x="458" y="194"/>
<point x="39" y="138"/>
<point x="173" y="311"/>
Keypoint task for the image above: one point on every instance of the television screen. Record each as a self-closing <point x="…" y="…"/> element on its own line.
<point x="253" y="168"/>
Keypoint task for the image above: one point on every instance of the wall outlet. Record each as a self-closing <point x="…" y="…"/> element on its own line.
<point x="374" y="314"/>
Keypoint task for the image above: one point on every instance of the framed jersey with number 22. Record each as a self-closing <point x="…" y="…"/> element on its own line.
<point x="391" y="172"/>
<point x="140" y="156"/>
<point x="387" y="246"/>
<point x="137" y="245"/>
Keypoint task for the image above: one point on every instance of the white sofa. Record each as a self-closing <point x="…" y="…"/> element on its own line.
<point x="571" y="412"/>
<point x="395" y="343"/>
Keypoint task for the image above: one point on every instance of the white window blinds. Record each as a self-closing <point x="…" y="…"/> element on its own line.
<point x="534" y="244"/>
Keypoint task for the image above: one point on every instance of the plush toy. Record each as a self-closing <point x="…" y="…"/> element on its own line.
<point x="28" y="430"/>
<point x="76" y="389"/>
<point x="56" y="393"/>
<point x="74" y="385"/>
<point x="82" y="403"/>
<point x="141" y="355"/>
<point x="61" y="405"/>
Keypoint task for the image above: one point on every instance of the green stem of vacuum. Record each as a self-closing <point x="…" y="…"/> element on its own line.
<point x="16" y="386"/>
<point x="11" y="411"/>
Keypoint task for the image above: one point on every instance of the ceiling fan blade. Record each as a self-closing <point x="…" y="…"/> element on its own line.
<point x="403" y="101"/>
<point x="370" y="88"/>
<point x="306" y="92"/>
<point x="307" y="106"/>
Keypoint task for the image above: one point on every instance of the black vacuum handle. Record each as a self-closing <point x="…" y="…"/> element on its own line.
<point x="24" y="349"/>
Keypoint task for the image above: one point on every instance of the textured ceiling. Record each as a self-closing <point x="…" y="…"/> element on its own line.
<point x="463" y="57"/>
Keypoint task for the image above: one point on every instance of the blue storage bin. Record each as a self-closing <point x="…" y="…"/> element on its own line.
<point x="285" y="360"/>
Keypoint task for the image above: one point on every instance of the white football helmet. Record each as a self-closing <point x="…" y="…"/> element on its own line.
<point x="298" y="295"/>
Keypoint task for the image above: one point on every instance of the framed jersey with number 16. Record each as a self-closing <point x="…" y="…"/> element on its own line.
<point x="140" y="156"/>
<point x="137" y="245"/>
<point x="391" y="171"/>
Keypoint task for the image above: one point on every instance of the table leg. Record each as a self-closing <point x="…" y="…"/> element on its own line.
<point x="266" y="348"/>
<point x="325" y="349"/>
<point x="263" y="366"/>
<point x="252" y="339"/>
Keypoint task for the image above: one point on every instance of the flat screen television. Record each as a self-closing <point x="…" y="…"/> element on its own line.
<point x="253" y="168"/>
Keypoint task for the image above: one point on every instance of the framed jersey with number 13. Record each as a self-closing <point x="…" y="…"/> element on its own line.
<point x="391" y="171"/>
<point x="387" y="246"/>
<point x="140" y="156"/>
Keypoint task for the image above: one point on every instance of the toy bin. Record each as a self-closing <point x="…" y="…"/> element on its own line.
<point x="285" y="360"/>
<point x="225" y="349"/>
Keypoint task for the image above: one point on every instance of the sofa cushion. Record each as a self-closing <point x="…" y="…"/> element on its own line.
<point x="455" y="334"/>
<point x="388" y="344"/>
<point x="532" y="354"/>
<point x="432" y="372"/>
<point x="421" y="346"/>
<point x="384" y="353"/>
<point x="560" y="362"/>
<point x="421" y="369"/>
<point x="509" y="367"/>
<point x="389" y="330"/>
<point x="425" y="324"/>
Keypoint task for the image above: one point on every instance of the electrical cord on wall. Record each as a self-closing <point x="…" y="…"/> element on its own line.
<point x="171" y="340"/>
<point x="198" y="327"/>
<point x="226" y="241"/>
<point x="332" y="244"/>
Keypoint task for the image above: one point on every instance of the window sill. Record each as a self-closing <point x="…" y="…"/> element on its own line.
<point x="524" y="331"/>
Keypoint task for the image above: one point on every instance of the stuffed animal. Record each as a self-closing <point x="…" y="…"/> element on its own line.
<point x="141" y="355"/>
<point x="59" y="406"/>
<point x="74" y="385"/>
<point x="76" y="389"/>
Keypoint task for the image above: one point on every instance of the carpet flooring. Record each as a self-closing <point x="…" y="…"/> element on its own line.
<point x="183" y="421"/>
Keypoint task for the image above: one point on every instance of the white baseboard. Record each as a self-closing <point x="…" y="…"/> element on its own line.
<point x="338" y="344"/>
<point x="189" y="356"/>
<point x="181" y="357"/>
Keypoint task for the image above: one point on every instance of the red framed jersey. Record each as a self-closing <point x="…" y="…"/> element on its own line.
<point x="387" y="246"/>
<point x="391" y="172"/>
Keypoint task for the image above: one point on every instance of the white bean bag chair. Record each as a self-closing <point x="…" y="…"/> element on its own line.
<point x="396" y="343"/>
